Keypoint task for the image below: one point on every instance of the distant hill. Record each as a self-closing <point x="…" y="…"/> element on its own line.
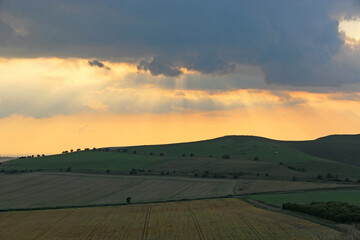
<point x="341" y="148"/>
<point x="5" y="159"/>
<point x="222" y="157"/>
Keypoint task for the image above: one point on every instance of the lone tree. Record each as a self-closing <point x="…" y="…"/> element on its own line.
<point x="128" y="200"/>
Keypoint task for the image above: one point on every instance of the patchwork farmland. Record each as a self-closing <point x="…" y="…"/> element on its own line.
<point x="83" y="195"/>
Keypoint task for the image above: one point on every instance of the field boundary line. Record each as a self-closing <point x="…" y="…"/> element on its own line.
<point x="146" y="223"/>
<point x="300" y="191"/>
<point x="197" y="225"/>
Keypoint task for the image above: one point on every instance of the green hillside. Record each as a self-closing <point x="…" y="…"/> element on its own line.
<point x="225" y="155"/>
<point x="341" y="148"/>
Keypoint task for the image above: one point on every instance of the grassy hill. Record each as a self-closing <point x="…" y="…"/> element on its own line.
<point x="222" y="156"/>
<point x="341" y="148"/>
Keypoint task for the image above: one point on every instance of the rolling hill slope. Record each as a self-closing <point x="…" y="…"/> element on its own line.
<point x="341" y="148"/>
<point x="225" y="156"/>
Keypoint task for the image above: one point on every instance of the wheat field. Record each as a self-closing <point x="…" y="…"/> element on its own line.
<point x="201" y="219"/>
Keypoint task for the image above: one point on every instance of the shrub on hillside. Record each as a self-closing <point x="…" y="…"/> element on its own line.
<point x="226" y="156"/>
<point x="206" y="174"/>
<point x="133" y="171"/>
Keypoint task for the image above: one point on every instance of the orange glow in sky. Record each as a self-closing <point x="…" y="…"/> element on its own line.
<point x="48" y="105"/>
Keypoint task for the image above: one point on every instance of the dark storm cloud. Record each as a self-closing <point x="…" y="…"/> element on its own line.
<point x="294" y="42"/>
<point x="97" y="63"/>
<point x="158" y="68"/>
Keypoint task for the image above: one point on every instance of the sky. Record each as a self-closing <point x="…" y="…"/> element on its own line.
<point x="76" y="74"/>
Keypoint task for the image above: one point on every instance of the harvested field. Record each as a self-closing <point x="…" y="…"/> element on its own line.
<point x="35" y="190"/>
<point x="205" y="219"/>
<point x="41" y="189"/>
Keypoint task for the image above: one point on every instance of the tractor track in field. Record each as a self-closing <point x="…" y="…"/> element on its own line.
<point x="47" y="229"/>
<point x="197" y="225"/>
<point x="146" y="223"/>
<point x="99" y="224"/>
<point x="251" y="227"/>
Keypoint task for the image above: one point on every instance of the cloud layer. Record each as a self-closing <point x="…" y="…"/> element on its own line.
<point x="293" y="42"/>
<point x="49" y="86"/>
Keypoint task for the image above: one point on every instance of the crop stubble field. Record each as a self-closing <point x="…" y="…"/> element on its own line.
<point x="201" y="219"/>
<point x="52" y="190"/>
<point x="41" y="189"/>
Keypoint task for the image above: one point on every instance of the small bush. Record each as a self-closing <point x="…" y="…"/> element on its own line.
<point x="329" y="176"/>
<point x="256" y="158"/>
<point x="296" y="169"/>
<point x="128" y="200"/>
<point x="68" y="169"/>
<point x="226" y="156"/>
<point x="133" y="171"/>
<point x="206" y="174"/>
